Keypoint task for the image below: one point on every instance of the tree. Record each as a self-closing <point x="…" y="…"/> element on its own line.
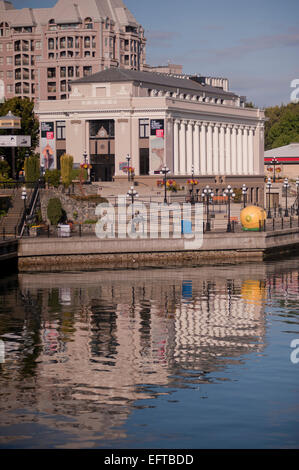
<point x="66" y="165"/>
<point x="282" y="126"/>
<point x="4" y="170"/>
<point x="54" y="210"/>
<point x="24" y="108"/>
<point x="32" y="168"/>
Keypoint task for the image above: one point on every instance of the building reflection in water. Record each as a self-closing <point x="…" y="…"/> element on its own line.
<point x="90" y="346"/>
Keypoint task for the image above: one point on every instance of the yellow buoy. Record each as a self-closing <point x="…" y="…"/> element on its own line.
<point x="252" y="217"/>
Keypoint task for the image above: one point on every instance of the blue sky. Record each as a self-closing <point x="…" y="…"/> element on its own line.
<point x="254" y="43"/>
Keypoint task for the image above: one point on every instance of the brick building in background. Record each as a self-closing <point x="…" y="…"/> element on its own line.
<point x="43" y="49"/>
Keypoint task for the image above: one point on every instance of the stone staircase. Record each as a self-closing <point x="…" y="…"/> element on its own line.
<point x="9" y="223"/>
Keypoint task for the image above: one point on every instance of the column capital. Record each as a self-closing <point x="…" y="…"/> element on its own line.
<point x="204" y="124"/>
<point x="184" y="122"/>
<point x="191" y="123"/>
<point x="177" y="121"/>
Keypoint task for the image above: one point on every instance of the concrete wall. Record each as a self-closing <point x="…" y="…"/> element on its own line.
<point x="89" y="251"/>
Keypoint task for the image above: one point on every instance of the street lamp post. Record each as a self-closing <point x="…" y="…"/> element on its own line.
<point x="207" y="194"/>
<point x="24" y="197"/>
<point x="165" y="172"/>
<point x="132" y="194"/>
<point x="229" y="193"/>
<point x="269" y="186"/>
<point x="297" y="184"/>
<point x="286" y="187"/>
<point x="85" y="160"/>
<point x="85" y="157"/>
<point x="274" y="162"/>
<point x="244" y="192"/>
<point x="128" y="160"/>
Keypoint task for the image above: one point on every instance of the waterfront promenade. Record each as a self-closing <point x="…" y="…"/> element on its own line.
<point x="87" y="252"/>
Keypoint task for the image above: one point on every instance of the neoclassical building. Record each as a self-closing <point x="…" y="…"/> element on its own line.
<point x="156" y="119"/>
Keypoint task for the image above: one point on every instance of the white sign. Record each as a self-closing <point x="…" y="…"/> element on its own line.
<point x="15" y="141"/>
<point x="23" y="140"/>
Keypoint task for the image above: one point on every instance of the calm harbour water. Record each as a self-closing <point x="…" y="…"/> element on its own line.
<point x="191" y="358"/>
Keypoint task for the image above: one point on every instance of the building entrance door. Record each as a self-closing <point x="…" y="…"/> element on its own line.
<point x="103" y="168"/>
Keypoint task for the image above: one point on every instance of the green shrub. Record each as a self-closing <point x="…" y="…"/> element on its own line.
<point x="52" y="178"/>
<point x="4" y="170"/>
<point x="90" y="222"/>
<point x="75" y="174"/>
<point x="66" y="164"/>
<point x="32" y="168"/>
<point x="54" y="210"/>
<point x="90" y="198"/>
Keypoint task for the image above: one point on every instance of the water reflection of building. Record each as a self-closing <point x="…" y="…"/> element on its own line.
<point x="105" y="341"/>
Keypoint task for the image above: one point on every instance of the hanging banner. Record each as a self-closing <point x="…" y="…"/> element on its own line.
<point x="48" y="145"/>
<point x="156" y="145"/>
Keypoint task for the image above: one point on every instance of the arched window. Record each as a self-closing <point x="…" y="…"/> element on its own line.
<point x="52" y="25"/>
<point x="18" y="60"/>
<point x="18" y="88"/>
<point x="18" y="74"/>
<point x="88" y="24"/>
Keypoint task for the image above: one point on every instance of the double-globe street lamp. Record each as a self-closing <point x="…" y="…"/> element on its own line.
<point x="269" y="186"/>
<point x="165" y="172"/>
<point x="207" y="194"/>
<point x="24" y="197"/>
<point x="229" y="193"/>
<point x="286" y="187"/>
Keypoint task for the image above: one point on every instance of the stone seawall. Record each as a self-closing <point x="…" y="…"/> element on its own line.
<point x="89" y="252"/>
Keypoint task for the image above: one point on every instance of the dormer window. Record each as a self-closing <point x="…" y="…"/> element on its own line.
<point x="52" y="25"/>
<point x="88" y="24"/>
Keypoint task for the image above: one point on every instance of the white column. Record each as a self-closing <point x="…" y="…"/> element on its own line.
<point x="245" y="151"/>
<point x="196" y="155"/>
<point x="234" y="150"/>
<point x="203" y="149"/>
<point x="183" y="147"/>
<point x="222" y="150"/>
<point x="250" y="151"/>
<point x="228" y="151"/>
<point x="176" y="154"/>
<point x="189" y="147"/>
<point x="216" y="149"/>
<point x="239" y="150"/>
<point x="210" y="149"/>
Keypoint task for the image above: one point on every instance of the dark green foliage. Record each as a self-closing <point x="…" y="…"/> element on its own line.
<point x="282" y="126"/>
<point x="22" y="107"/>
<point x="4" y="170"/>
<point x="52" y="178"/>
<point x="54" y="211"/>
